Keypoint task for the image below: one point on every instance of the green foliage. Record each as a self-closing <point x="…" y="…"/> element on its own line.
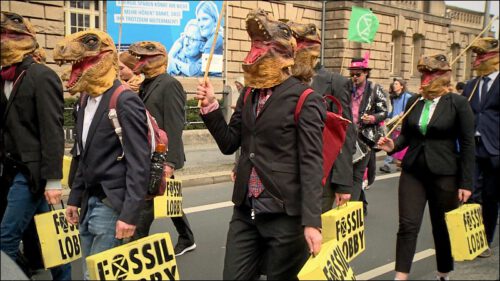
<point x="69" y="121"/>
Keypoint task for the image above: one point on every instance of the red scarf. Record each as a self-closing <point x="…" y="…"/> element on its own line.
<point x="9" y="73"/>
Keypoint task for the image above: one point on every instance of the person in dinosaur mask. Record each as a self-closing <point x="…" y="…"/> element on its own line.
<point x="127" y="63"/>
<point x="307" y="66"/>
<point x="483" y="93"/>
<point x="111" y="181"/>
<point x="31" y="136"/>
<point x="277" y="208"/>
<point x="432" y="168"/>
<point x="165" y="99"/>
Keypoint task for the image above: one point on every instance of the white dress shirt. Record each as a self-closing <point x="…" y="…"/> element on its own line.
<point x="7" y="88"/>
<point x="88" y="115"/>
<point x="431" y="110"/>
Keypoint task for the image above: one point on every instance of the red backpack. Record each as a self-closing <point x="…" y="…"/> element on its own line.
<point x="333" y="133"/>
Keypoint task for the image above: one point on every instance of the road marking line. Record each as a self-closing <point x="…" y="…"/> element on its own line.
<point x="225" y="204"/>
<point x="390" y="266"/>
<point x="383" y="177"/>
<point x="208" y="207"/>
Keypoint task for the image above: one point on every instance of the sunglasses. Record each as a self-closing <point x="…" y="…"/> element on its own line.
<point x="356" y="74"/>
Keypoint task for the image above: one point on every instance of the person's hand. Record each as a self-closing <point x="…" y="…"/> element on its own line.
<point x="342" y="198"/>
<point x="386" y="144"/>
<point x="205" y="93"/>
<point x="53" y="196"/>
<point x="168" y="171"/>
<point x="72" y="214"/>
<point x="313" y="238"/>
<point x="233" y="176"/>
<point x="368" y="119"/>
<point x="463" y="195"/>
<point x="124" y="230"/>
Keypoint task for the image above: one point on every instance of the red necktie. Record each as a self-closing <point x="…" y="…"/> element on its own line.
<point x="8" y="73"/>
<point x="255" y="186"/>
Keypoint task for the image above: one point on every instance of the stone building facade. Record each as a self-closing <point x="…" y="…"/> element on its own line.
<point x="407" y="30"/>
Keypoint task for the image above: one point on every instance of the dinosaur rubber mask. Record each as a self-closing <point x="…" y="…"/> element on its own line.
<point x="94" y="61"/>
<point x="436" y="75"/>
<point x="152" y="58"/>
<point x="272" y="51"/>
<point x="487" y="59"/>
<point x="17" y="38"/>
<point x="308" y="49"/>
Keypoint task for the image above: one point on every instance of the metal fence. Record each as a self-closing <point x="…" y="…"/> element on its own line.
<point x="191" y="116"/>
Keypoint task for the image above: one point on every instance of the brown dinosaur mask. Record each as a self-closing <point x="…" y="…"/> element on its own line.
<point x="436" y="76"/>
<point x="94" y="60"/>
<point x="272" y="51"/>
<point x="487" y="59"/>
<point x="17" y="38"/>
<point x="308" y="50"/>
<point x="152" y="58"/>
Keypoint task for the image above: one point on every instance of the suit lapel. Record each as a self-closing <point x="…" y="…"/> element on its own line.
<point x="79" y="123"/>
<point x="275" y="93"/>
<point x="13" y="94"/>
<point x="438" y="111"/>
<point x="151" y="89"/>
<point x="101" y="109"/>
<point x="488" y="97"/>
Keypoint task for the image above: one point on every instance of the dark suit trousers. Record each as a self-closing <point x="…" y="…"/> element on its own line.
<point x="487" y="175"/>
<point x="329" y="194"/>
<point x="416" y="188"/>
<point x="274" y="239"/>
<point x="358" y="172"/>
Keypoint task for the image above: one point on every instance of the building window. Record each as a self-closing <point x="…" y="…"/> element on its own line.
<point x="467" y="65"/>
<point x="82" y="15"/>
<point x="418" y="41"/>
<point x="455" y="50"/>
<point x="396" y="57"/>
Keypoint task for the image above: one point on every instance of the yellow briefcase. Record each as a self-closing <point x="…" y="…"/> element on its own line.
<point x="330" y="264"/>
<point x="149" y="258"/>
<point x="346" y="225"/>
<point x="59" y="240"/>
<point x="466" y="229"/>
<point x="170" y="203"/>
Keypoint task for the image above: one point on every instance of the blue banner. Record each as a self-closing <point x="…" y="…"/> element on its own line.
<point x="185" y="28"/>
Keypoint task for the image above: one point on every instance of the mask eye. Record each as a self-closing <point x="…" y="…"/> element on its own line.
<point x="90" y="41"/>
<point x="150" y="47"/>
<point x="441" y="58"/>
<point x="494" y="44"/>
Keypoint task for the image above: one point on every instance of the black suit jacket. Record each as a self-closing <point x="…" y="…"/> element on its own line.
<point x="32" y="124"/>
<point x="287" y="156"/>
<point x="165" y="99"/>
<point x="330" y="83"/>
<point x="123" y="182"/>
<point x="487" y="114"/>
<point x="452" y="120"/>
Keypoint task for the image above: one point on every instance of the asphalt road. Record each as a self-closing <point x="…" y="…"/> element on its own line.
<point x="209" y="211"/>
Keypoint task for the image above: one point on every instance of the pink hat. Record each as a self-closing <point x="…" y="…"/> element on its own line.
<point x="360" y="63"/>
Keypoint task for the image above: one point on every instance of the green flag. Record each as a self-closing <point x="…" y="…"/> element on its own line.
<point x="362" y="26"/>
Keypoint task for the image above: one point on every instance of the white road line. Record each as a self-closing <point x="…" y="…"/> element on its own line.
<point x="208" y="207"/>
<point x="225" y="204"/>
<point x="390" y="266"/>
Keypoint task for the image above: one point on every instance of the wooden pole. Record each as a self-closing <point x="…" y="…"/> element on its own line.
<point x="477" y="37"/>
<point x="209" y="61"/>
<point x="120" y="28"/>
<point x="413" y="105"/>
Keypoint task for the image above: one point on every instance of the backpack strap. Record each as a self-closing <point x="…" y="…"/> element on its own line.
<point x="113" y="116"/>
<point x="247" y="93"/>
<point x="336" y="102"/>
<point x="301" y="101"/>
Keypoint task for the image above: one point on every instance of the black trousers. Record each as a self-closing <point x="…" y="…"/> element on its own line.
<point x="416" y="188"/>
<point x="358" y="194"/>
<point x="487" y="183"/>
<point x="273" y="241"/>
<point x="147" y="217"/>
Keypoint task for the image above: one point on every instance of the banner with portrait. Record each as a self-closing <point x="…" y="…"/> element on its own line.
<point x="185" y="28"/>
